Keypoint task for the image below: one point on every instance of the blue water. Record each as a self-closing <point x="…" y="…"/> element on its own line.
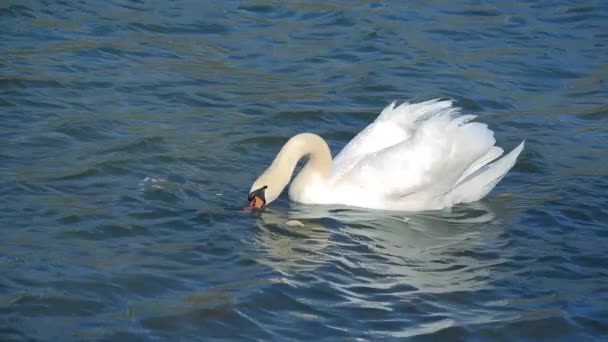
<point x="131" y="131"/>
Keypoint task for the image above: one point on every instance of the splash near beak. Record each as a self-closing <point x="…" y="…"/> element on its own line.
<point x="257" y="198"/>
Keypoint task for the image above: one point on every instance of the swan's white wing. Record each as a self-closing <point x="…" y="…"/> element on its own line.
<point x="394" y="125"/>
<point x="429" y="164"/>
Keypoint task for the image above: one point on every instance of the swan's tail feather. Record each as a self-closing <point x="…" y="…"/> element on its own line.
<point x="494" y="153"/>
<point x="478" y="183"/>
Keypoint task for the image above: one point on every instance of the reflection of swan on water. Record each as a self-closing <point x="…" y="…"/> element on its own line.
<point x="430" y="251"/>
<point x="289" y="244"/>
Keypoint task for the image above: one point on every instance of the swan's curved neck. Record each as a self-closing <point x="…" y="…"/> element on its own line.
<point x="280" y="171"/>
<point x="305" y="145"/>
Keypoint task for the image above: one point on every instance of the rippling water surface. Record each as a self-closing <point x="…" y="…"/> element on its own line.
<point x="130" y="133"/>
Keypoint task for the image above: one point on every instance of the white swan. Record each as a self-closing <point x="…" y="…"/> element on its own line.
<point x="420" y="156"/>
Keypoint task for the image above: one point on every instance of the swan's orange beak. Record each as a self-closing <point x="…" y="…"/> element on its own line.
<point x="256" y="202"/>
<point x="256" y="198"/>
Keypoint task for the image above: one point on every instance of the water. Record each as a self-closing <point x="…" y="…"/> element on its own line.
<point x="131" y="132"/>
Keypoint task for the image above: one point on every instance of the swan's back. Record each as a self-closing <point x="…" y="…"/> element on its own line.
<point x="420" y="156"/>
<point x="394" y="125"/>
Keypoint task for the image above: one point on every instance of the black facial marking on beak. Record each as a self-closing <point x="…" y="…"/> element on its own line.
<point x="259" y="192"/>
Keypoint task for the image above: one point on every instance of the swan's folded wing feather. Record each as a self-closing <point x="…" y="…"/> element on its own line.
<point x="399" y="170"/>
<point x="375" y="137"/>
<point x="394" y="125"/>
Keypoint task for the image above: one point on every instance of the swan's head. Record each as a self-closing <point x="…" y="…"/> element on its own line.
<point x="268" y="186"/>
<point x="257" y="198"/>
<point x="275" y="178"/>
